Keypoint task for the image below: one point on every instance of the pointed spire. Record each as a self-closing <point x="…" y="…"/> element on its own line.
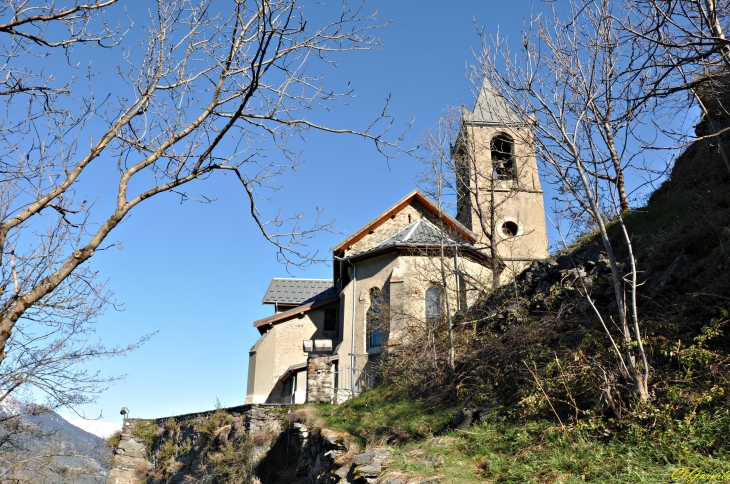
<point x="491" y="108"/>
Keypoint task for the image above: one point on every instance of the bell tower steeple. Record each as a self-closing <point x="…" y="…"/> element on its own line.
<point x="499" y="193"/>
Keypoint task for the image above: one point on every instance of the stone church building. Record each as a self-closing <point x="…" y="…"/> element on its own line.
<point x="325" y="336"/>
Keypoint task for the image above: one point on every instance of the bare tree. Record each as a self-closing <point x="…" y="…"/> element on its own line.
<point x="575" y="79"/>
<point x="206" y="92"/>
<point x="43" y="29"/>
<point x="686" y="50"/>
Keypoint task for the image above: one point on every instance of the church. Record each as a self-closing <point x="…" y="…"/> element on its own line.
<point x="405" y="268"/>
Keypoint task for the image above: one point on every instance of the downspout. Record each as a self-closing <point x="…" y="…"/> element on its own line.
<point x="458" y="277"/>
<point x="353" y="357"/>
<point x="352" y="332"/>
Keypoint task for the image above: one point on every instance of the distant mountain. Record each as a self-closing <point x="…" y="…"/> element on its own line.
<point x="47" y="441"/>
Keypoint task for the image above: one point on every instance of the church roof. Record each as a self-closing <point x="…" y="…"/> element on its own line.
<point x="419" y="234"/>
<point x="415" y="195"/>
<point x="297" y="291"/>
<point x="491" y="108"/>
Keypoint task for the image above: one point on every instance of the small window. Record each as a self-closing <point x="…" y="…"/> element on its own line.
<point x="375" y="318"/>
<point x="462" y="291"/>
<point x="330" y="320"/>
<point x="510" y="229"/>
<point x="433" y="304"/>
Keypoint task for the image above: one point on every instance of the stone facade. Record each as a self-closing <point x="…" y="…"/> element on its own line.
<point x="517" y="200"/>
<point x="277" y="350"/>
<point x="319" y="379"/>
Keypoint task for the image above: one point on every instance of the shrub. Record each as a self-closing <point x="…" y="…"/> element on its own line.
<point x="145" y="431"/>
<point x="113" y="440"/>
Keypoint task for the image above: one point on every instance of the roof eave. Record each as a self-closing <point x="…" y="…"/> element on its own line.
<point x="402" y="247"/>
<point x="279" y="317"/>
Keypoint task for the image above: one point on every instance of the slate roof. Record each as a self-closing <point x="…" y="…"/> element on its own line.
<point x="298" y="291"/>
<point x="491" y="108"/>
<point x="261" y="324"/>
<point x="417" y="196"/>
<point x="420" y="233"/>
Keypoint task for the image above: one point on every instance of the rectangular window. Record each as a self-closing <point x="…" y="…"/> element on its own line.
<point x="376" y="337"/>
<point x="330" y="320"/>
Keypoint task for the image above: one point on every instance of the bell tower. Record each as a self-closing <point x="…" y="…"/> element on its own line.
<point x="497" y="179"/>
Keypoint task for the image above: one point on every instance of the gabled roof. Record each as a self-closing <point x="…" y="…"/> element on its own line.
<point x="297" y="291"/>
<point x="284" y="315"/>
<point x="491" y="109"/>
<point x="419" y="234"/>
<point x="415" y="195"/>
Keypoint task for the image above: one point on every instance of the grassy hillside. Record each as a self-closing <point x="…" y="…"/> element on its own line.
<point x="426" y="444"/>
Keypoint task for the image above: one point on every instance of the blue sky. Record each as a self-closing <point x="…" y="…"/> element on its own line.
<point x="196" y="273"/>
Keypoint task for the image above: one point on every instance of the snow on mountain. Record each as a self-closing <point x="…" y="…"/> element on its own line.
<point x="96" y="427"/>
<point x="69" y="435"/>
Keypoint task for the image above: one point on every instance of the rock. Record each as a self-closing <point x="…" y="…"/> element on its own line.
<point x="583" y="306"/>
<point x="539" y="276"/>
<point x="342" y="472"/>
<point x="368" y="470"/>
<point x="667" y="276"/>
<point x="565" y="261"/>
<point x="548" y="265"/>
<point x="468" y="415"/>
<point x="334" y="443"/>
<point x="375" y="455"/>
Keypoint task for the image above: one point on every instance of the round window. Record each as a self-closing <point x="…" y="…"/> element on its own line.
<point x="510" y="229"/>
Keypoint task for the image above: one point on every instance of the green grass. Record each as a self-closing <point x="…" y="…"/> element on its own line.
<point x="499" y="451"/>
<point x="384" y="414"/>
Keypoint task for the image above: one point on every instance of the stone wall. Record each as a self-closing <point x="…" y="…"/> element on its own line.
<point x="319" y="379"/>
<point x="130" y="461"/>
<point x="275" y="445"/>
<point x="133" y="464"/>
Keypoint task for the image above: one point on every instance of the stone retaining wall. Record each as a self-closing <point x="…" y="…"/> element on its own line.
<point x="130" y="460"/>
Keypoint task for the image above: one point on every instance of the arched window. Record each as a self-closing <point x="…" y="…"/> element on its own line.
<point x="375" y="318"/>
<point x="433" y="304"/>
<point x="503" y="157"/>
